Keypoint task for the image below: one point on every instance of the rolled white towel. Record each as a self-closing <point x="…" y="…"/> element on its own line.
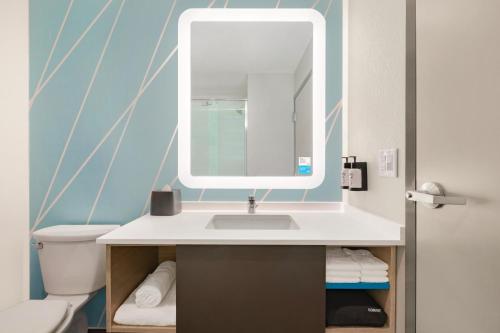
<point x="162" y="315"/>
<point x="374" y="279"/>
<point x="367" y="260"/>
<point x="342" y="279"/>
<point x="156" y="285"/>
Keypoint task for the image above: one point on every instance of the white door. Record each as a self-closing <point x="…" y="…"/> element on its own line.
<point x="458" y="146"/>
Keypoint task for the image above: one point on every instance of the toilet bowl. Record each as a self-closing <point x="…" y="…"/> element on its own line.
<point x="75" y="320"/>
<point x="73" y="270"/>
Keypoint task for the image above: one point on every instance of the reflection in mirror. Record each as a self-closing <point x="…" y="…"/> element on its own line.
<point x="251" y="99"/>
<point x="218" y="142"/>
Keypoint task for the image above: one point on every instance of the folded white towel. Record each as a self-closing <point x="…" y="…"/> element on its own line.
<point x="374" y="273"/>
<point x="374" y="279"/>
<point x="163" y="315"/>
<point x="366" y="260"/>
<point x="154" y="288"/>
<point x="340" y="273"/>
<point x="338" y="260"/>
<point x="342" y="279"/>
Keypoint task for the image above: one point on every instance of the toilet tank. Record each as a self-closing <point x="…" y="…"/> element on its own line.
<point x="71" y="261"/>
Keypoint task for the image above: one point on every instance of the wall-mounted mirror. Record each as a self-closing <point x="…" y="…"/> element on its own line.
<point x="251" y="98"/>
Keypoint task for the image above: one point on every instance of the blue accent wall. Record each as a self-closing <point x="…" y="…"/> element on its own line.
<point x="99" y="142"/>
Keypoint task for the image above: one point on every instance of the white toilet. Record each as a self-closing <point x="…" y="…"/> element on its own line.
<point x="73" y="269"/>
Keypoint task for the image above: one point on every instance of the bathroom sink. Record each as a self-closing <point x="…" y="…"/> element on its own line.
<point x="252" y="222"/>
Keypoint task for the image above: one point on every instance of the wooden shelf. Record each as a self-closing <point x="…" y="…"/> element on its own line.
<point x="359" y="330"/>
<point x="358" y="286"/>
<point x="172" y="329"/>
<point x="142" y="329"/>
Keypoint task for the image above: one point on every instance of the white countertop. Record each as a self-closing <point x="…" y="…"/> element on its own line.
<point x="337" y="225"/>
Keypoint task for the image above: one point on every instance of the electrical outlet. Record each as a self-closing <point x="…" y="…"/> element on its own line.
<point x="388" y="163"/>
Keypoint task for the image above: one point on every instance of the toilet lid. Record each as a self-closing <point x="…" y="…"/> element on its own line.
<point x="34" y="316"/>
<point x="73" y="233"/>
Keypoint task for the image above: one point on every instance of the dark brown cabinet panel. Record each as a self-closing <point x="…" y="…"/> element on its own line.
<point x="250" y="289"/>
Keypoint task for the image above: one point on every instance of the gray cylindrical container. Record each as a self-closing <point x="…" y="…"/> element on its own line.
<point x="166" y="203"/>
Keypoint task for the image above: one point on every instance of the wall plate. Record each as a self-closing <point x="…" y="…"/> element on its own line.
<point x="388" y="163"/>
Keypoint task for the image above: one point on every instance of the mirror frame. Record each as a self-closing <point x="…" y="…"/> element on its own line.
<point x="184" y="98"/>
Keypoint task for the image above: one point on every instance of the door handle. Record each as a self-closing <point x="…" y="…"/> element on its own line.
<point x="432" y="195"/>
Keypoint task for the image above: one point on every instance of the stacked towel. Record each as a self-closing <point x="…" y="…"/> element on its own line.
<point x="342" y="279"/>
<point x="338" y="273"/>
<point x="372" y="268"/>
<point x="154" y="288"/>
<point x="353" y="266"/>
<point x="340" y="267"/>
<point x="367" y="260"/>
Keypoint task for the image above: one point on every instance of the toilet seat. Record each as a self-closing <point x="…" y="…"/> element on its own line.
<point x="54" y="314"/>
<point x="34" y="316"/>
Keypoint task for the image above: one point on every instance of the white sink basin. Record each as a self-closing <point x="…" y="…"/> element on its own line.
<point x="252" y="222"/>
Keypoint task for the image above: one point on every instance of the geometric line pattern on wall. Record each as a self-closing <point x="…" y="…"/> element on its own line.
<point x="131" y="113"/>
<point x="54" y="44"/>
<point x="41" y="86"/>
<point x="103" y="120"/>
<point x="80" y="110"/>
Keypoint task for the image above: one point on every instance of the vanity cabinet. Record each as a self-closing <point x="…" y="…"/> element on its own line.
<point x="239" y="288"/>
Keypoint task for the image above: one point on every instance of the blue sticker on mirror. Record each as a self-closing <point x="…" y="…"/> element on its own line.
<point x="304" y="165"/>
<point x="304" y="170"/>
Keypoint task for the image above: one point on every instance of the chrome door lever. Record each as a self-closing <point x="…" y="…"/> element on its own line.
<point x="432" y="195"/>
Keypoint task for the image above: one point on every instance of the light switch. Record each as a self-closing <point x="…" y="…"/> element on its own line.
<point x="388" y="163"/>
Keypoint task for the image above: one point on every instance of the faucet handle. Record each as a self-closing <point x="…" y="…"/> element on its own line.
<point x="251" y="204"/>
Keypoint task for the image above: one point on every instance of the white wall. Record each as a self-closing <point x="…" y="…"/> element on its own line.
<point x="304" y="106"/>
<point x="304" y="67"/>
<point x="270" y="126"/>
<point x="377" y="98"/>
<point x="376" y="107"/>
<point x="14" y="174"/>
<point x="304" y="123"/>
<point x="248" y="47"/>
<point x="219" y="85"/>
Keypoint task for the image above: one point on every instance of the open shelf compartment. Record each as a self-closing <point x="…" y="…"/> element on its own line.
<point x="384" y="295"/>
<point x="127" y="267"/>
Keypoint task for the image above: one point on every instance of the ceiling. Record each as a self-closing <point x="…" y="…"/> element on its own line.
<point x="248" y="47"/>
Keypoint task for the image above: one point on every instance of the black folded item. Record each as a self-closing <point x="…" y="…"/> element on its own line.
<point x="353" y="308"/>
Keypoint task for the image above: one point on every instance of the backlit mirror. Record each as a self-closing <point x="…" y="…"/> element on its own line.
<point x="251" y="98"/>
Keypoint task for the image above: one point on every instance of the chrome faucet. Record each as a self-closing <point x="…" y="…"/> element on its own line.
<point x="251" y="204"/>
